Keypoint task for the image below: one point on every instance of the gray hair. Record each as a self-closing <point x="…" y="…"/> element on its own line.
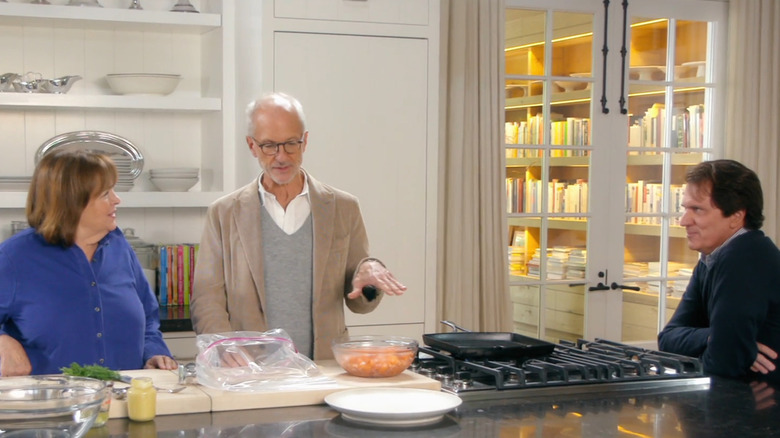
<point x="277" y="99"/>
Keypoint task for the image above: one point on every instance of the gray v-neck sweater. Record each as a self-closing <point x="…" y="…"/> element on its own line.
<point x="288" y="280"/>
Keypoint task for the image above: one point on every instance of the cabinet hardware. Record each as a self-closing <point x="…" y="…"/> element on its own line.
<point x="604" y="51"/>
<point x="623" y="51"/>
<point x="620" y="286"/>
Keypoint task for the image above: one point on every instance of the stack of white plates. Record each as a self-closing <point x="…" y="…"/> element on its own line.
<point x="174" y="179"/>
<point x="123" y="166"/>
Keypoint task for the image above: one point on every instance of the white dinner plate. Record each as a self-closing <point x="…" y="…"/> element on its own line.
<point x="393" y="407"/>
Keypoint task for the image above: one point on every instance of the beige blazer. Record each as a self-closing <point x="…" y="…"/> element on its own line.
<point x="228" y="292"/>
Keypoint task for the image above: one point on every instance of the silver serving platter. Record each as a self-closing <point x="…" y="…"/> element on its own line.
<point x="116" y="147"/>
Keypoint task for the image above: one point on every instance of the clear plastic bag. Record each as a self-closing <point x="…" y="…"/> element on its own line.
<point x="254" y="361"/>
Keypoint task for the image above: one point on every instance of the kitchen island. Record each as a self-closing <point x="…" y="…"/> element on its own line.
<point x="728" y="408"/>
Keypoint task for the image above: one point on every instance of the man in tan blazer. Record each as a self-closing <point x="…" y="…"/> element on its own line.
<point x="285" y="251"/>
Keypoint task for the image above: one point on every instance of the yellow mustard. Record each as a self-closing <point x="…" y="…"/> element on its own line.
<point x="141" y="399"/>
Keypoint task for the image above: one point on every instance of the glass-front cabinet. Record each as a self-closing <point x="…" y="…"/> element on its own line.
<point x="596" y="152"/>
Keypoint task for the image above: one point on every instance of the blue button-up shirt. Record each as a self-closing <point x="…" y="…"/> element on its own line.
<point x="63" y="308"/>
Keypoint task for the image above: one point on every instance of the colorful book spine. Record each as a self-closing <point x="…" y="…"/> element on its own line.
<point x="163" y="282"/>
<point x="181" y="274"/>
<point x="186" y="271"/>
<point x="171" y="276"/>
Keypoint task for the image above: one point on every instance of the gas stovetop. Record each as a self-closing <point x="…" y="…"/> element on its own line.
<point x="585" y="366"/>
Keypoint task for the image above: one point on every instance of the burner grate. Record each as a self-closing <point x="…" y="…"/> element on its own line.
<point x="584" y="363"/>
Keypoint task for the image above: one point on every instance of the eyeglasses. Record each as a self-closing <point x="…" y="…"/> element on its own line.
<point x="272" y="148"/>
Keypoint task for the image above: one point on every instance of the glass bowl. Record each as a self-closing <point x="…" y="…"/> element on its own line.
<point x="49" y="405"/>
<point x="374" y="356"/>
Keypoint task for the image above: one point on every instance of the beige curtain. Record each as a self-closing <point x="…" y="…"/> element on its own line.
<point x="472" y="250"/>
<point x="753" y="98"/>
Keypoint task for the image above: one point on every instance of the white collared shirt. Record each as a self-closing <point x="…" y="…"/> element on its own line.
<point x="292" y="218"/>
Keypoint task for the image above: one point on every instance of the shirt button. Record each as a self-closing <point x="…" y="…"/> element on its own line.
<point x="93" y="283"/>
<point x="97" y="309"/>
<point x="102" y="360"/>
<point x="100" y="335"/>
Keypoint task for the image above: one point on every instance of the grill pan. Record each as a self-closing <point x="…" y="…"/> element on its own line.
<point x="489" y="345"/>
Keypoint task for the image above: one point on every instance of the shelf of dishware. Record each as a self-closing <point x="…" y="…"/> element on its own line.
<point x="26" y="14"/>
<point x="687" y="159"/>
<point x="577" y="96"/>
<point x="131" y="199"/>
<point x="114" y="102"/>
<point x="691" y="84"/>
<point x="574" y="224"/>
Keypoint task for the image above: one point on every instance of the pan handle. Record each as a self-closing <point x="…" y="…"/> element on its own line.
<point x="454" y="326"/>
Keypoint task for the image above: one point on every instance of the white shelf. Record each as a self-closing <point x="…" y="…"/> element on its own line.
<point x="150" y="103"/>
<point x="134" y="199"/>
<point x="25" y="14"/>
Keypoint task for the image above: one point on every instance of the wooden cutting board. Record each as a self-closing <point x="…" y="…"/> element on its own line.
<point x="198" y="398"/>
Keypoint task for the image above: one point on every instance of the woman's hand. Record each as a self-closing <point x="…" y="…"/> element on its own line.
<point x="13" y="358"/>
<point x="764" y="360"/>
<point x="161" y="362"/>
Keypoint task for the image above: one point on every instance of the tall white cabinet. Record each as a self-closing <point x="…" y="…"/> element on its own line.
<point x="366" y="74"/>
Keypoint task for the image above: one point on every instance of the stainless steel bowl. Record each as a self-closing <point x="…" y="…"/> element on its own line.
<point x="49" y="405"/>
<point x="6" y="81"/>
<point x="27" y="86"/>
<point x="58" y="85"/>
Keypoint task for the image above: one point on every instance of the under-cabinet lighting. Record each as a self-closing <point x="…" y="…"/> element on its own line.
<point x="557" y="102"/>
<point x="582" y="35"/>
<point x="570" y="101"/>
<point x="556" y="40"/>
<point x="645" y="23"/>
<point x="657" y="92"/>
<point x="562" y="102"/>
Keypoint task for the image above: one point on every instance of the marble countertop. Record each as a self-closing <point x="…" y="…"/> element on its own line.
<point x="728" y="408"/>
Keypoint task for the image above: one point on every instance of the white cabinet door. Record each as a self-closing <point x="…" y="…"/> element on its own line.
<point x="366" y="102"/>
<point x="372" y="11"/>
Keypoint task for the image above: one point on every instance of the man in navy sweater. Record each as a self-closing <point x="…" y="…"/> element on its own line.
<point x="729" y="315"/>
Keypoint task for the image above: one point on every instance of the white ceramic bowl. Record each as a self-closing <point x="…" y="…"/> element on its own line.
<point x="143" y="83"/>
<point x="175" y="172"/>
<point x="569" y="86"/>
<point x="165" y="170"/>
<point x="173" y="184"/>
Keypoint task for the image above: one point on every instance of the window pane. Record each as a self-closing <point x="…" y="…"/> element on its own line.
<point x="524" y="42"/>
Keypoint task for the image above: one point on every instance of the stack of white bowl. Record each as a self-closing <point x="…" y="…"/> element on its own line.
<point x="174" y="179"/>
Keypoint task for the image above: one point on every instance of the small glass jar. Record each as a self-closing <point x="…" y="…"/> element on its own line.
<point x="141" y="399"/>
<point x="103" y="412"/>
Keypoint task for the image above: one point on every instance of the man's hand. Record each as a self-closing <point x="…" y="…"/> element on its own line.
<point x="161" y="362"/>
<point x="13" y="358"/>
<point x="373" y="273"/>
<point x="763" y="394"/>
<point x="764" y="360"/>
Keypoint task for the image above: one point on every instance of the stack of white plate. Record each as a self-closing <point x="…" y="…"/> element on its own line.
<point x="124" y="168"/>
<point x="174" y="179"/>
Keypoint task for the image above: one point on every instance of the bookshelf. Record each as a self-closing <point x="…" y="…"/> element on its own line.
<point x="631" y="165"/>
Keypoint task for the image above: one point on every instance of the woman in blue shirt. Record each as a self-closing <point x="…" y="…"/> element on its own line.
<point x="71" y="287"/>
